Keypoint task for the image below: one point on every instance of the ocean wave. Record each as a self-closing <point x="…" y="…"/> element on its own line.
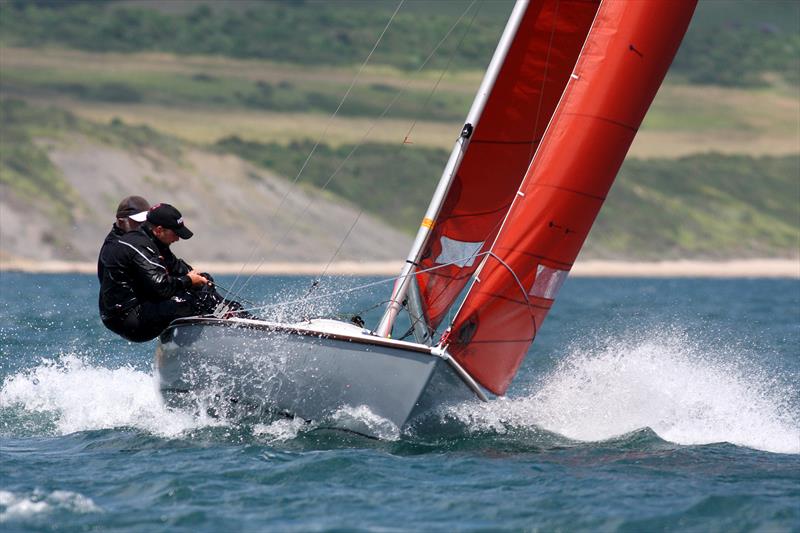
<point x="73" y="395"/>
<point x="16" y="507"/>
<point x="687" y="393"/>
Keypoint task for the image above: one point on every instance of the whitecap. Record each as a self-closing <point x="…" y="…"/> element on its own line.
<point x="686" y="393"/>
<point x="361" y="419"/>
<point x="281" y="430"/>
<point x="15" y="507"/>
<point x="81" y="396"/>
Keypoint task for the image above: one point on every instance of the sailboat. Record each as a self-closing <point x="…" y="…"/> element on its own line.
<point x="563" y="96"/>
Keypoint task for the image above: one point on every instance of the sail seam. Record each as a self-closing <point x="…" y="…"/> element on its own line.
<point x="542" y="257"/>
<point x="580" y="193"/>
<point x="488" y="141"/>
<point x="476" y="214"/>
<point x="604" y="119"/>
<point x="525" y="303"/>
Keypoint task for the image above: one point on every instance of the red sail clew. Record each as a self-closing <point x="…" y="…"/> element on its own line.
<point x="533" y="76"/>
<point x="626" y="54"/>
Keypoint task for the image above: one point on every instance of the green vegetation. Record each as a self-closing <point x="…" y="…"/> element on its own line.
<point x="738" y="53"/>
<point x="294" y="32"/>
<point x="393" y="182"/>
<point x="24" y="166"/>
<point x="708" y="205"/>
<point x="55" y="123"/>
<point x="201" y="89"/>
<point x="732" y="43"/>
<point x="24" y="162"/>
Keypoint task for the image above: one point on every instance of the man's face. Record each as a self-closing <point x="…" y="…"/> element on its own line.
<point x="165" y="235"/>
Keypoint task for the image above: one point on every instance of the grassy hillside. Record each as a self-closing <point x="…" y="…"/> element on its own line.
<point x="713" y="171"/>
<point x="708" y="205"/>
<point x="201" y="88"/>
<point x="731" y="42"/>
<point x="702" y="206"/>
<point x="204" y="99"/>
<point x="233" y="207"/>
<point x="24" y="163"/>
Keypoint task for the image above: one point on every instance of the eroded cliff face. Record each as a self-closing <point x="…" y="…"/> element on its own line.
<point x="237" y="212"/>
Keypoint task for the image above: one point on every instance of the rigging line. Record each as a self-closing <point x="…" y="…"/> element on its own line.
<point x="352" y="289"/>
<point x="338" y="249"/>
<point x="362" y="311"/>
<point x="397" y="96"/>
<point x="319" y="140"/>
<point x="422" y="108"/>
<point x="417" y="319"/>
<point x="311" y="201"/>
<point x="447" y="67"/>
<point x="227" y="291"/>
<point x="544" y="81"/>
<point x="452" y="279"/>
<point x="521" y="287"/>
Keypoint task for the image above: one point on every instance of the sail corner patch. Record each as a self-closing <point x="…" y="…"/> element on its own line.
<point x="459" y="253"/>
<point x="547" y="282"/>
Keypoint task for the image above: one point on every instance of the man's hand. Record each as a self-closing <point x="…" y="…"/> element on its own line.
<point x="196" y="278"/>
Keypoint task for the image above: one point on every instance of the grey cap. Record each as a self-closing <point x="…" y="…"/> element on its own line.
<point x="133" y="207"/>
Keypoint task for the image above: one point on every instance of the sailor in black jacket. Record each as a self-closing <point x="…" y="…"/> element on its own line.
<point x="144" y="286"/>
<point x="131" y="213"/>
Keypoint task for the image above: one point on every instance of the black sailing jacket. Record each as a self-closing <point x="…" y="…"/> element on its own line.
<point x="135" y="267"/>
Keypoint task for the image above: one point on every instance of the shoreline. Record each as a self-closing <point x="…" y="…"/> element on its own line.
<point x="737" y="268"/>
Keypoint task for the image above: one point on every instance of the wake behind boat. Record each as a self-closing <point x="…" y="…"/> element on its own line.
<point x="565" y="92"/>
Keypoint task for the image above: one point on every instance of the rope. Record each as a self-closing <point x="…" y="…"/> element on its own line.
<point x="446" y="68"/>
<point x="311" y="153"/>
<point x="414" y="122"/>
<point x="414" y="320"/>
<point x="544" y="78"/>
<point x="347" y="291"/>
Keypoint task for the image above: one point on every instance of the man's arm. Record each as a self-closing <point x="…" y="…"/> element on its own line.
<point x="152" y="276"/>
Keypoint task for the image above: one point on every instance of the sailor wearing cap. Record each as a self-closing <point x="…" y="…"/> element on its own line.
<point x="167" y="224"/>
<point x="131" y="213"/>
<point x="143" y="286"/>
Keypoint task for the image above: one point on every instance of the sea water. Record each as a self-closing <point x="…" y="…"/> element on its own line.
<point x="644" y="405"/>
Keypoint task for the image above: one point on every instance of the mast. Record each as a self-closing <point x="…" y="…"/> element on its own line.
<point x="404" y="280"/>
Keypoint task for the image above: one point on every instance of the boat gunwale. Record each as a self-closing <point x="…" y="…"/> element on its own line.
<point x="305" y="331"/>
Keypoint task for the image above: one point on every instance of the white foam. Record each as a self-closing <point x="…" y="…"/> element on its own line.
<point x="362" y="420"/>
<point x="82" y="397"/>
<point x="687" y="394"/>
<point x="281" y="430"/>
<point x="20" y="507"/>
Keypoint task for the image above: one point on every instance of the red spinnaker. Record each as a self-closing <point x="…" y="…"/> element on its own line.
<point x="627" y="52"/>
<point x="522" y="100"/>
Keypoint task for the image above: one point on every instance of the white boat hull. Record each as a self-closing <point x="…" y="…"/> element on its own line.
<point x="314" y="371"/>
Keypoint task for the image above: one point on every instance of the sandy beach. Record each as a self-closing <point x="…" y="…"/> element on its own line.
<point x="743" y="268"/>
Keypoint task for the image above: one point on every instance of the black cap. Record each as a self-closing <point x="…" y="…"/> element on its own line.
<point x="167" y="216"/>
<point x="134" y="207"/>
